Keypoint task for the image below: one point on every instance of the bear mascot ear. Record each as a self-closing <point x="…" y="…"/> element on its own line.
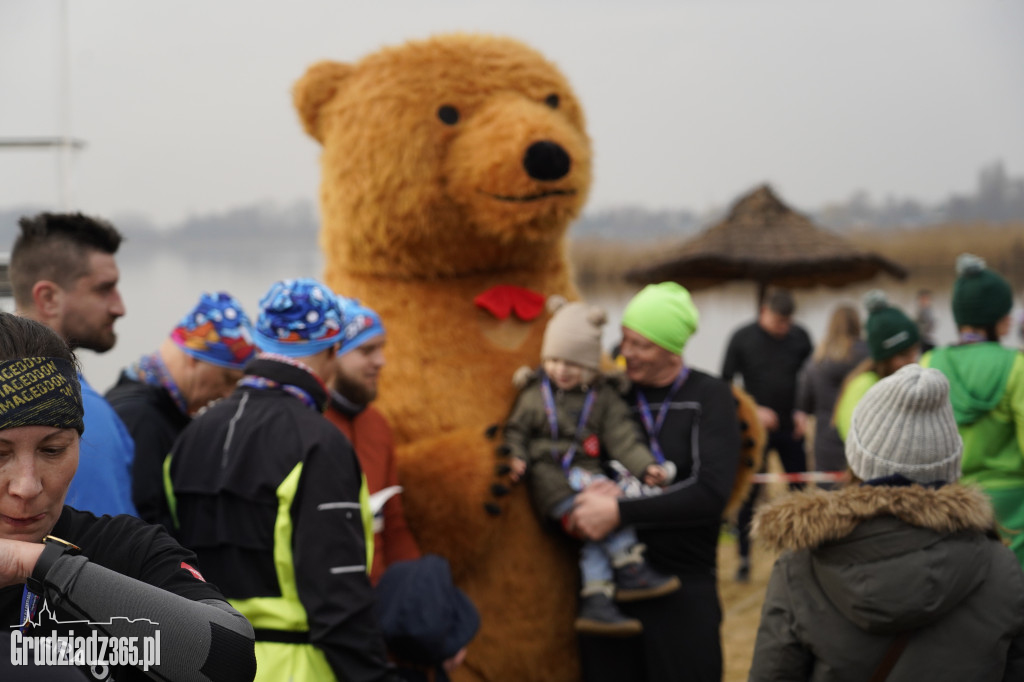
<point x="314" y="90"/>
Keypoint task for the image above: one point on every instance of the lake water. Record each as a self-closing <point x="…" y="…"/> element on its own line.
<point x="159" y="288"/>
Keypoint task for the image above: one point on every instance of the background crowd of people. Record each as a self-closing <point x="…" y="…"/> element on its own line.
<point x="246" y="451"/>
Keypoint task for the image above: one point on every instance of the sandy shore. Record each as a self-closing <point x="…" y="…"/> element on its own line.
<point x="741" y="607"/>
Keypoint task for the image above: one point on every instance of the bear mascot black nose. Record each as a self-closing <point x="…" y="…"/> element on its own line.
<point x="546" y="160"/>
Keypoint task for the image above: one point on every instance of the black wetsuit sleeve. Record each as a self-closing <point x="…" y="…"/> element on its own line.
<point x="731" y="361"/>
<point x="700" y="496"/>
<point x="153" y="440"/>
<point x="329" y="549"/>
<point x="199" y="640"/>
<point x="148" y="475"/>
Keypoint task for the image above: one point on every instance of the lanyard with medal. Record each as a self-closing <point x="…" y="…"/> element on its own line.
<point x="263" y="384"/>
<point x="549" y="408"/>
<point x="653" y="425"/>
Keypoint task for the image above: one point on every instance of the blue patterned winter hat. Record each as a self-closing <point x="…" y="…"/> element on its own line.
<point x="360" y="324"/>
<point x="298" y="317"/>
<point x="217" y="331"/>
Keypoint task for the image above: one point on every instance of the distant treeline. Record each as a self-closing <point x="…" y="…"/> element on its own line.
<point x="997" y="199"/>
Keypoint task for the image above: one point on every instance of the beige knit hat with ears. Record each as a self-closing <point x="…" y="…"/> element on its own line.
<point x="904" y="425"/>
<point x="573" y="333"/>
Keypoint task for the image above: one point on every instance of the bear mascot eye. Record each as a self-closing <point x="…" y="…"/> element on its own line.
<point x="448" y="114"/>
<point x="551" y="100"/>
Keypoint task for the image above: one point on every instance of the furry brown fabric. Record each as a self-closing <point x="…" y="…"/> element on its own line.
<point x="809" y="518"/>
<point x="420" y="215"/>
<point x="754" y="438"/>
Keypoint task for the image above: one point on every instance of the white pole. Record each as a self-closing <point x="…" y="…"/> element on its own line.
<point x="64" y="150"/>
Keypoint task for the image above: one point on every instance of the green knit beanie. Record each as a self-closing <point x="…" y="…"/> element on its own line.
<point x="664" y="314"/>
<point x="981" y="297"/>
<point x="890" y="331"/>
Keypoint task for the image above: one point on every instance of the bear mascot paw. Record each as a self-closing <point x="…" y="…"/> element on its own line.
<point x="451" y="170"/>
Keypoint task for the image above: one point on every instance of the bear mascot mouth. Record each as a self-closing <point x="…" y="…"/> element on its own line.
<point x="533" y="197"/>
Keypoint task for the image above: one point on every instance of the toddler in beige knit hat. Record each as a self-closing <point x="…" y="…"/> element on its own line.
<point x="569" y="423"/>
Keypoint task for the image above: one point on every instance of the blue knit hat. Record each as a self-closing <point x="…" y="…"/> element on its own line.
<point x="216" y="331"/>
<point x="298" y="317"/>
<point x="359" y="324"/>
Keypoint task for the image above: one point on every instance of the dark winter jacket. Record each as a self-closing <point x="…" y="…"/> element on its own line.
<point x="817" y="392"/>
<point x="154" y="421"/>
<point x="864" y="564"/>
<point x="609" y="429"/>
<point x="267" y="493"/>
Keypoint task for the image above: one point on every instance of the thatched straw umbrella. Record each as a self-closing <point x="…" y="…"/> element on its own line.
<point x="764" y="240"/>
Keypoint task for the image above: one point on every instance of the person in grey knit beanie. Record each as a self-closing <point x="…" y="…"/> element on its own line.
<point x="904" y="425"/>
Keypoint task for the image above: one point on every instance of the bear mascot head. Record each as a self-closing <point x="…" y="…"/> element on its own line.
<point x="451" y="170"/>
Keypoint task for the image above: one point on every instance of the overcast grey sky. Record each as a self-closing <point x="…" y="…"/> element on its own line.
<point x="185" y="105"/>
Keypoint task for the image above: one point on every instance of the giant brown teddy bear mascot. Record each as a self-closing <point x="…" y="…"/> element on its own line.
<point x="451" y="170"/>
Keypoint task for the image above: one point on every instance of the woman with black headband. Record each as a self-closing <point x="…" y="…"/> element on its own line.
<point x="81" y="597"/>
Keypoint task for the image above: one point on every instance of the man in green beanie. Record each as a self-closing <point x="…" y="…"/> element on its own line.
<point x="689" y="418"/>
<point x="768" y="353"/>
<point x="987" y="391"/>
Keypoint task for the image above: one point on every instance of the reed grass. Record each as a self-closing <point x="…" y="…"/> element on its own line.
<point x="930" y="250"/>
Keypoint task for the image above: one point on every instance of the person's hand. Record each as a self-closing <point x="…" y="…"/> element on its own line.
<point x="604" y="486"/>
<point x="655" y="475"/>
<point x="17" y="560"/>
<point x="767" y="417"/>
<point x="518" y="467"/>
<point x="799" y="423"/>
<point x="455" y="661"/>
<point x="594" y="514"/>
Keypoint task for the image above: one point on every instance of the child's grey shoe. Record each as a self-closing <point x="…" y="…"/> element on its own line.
<point x="636" y="580"/>
<point x="599" y="616"/>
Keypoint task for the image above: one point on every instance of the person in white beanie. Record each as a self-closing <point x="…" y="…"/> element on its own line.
<point x="900" y="575"/>
<point x="567" y="420"/>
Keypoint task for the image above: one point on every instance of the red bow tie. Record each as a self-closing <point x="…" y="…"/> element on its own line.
<point x="504" y="299"/>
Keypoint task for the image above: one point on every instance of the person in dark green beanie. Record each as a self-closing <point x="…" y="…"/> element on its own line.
<point x="689" y="418"/>
<point x="893" y="341"/>
<point x="987" y="391"/>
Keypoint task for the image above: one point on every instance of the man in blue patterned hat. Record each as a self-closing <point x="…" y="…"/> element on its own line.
<point x="199" y="362"/>
<point x="271" y="498"/>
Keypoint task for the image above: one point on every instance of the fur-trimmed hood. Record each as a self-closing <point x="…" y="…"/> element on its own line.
<point x="889" y="559"/>
<point x="808" y="519"/>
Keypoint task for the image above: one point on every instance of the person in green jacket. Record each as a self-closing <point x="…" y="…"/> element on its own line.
<point x="893" y="342"/>
<point x="987" y="392"/>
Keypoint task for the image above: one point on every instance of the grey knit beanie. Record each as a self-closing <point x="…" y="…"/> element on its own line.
<point x="574" y="333"/>
<point x="904" y="425"/>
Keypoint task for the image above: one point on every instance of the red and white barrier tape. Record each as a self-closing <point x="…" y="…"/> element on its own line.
<point x="803" y="477"/>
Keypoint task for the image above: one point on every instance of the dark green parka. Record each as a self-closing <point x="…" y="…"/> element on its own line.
<point x="864" y="564"/>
